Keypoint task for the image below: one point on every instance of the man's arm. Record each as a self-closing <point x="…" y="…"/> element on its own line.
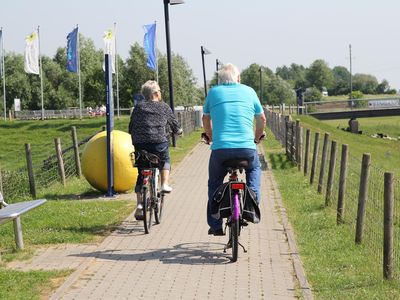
<point x="207" y="126"/>
<point x="260" y="125"/>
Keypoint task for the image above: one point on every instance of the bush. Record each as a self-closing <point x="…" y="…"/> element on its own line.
<point x="312" y="94"/>
<point x="356" y="95"/>
<point x="357" y="103"/>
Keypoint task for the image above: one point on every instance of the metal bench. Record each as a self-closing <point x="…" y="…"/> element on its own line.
<point x="13" y="212"/>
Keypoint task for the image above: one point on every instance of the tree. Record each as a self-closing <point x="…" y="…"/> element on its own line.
<point x="341" y="78"/>
<point x="319" y="75"/>
<point x="278" y="91"/>
<point x="383" y="87"/>
<point x="365" y="83"/>
<point x="185" y="91"/>
<point x="135" y="73"/>
<point x="17" y="83"/>
<point x="275" y="89"/>
<point x="295" y="75"/>
<point x="312" y="94"/>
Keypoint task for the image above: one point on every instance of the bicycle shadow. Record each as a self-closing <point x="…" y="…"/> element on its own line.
<point x="201" y="253"/>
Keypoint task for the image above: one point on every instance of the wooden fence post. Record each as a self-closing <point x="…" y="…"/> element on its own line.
<point x="297" y="124"/>
<point x="287" y="136"/>
<point x="76" y="152"/>
<point x="307" y="151"/>
<point x="1" y="183"/>
<point x="300" y="148"/>
<point x="342" y="185"/>
<point x="293" y="141"/>
<point x="61" y="170"/>
<point x="29" y="166"/>
<point x="323" y="162"/>
<point x="388" y="227"/>
<point x="315" y="157"/>
<point x="331" y="174"/>
<point x="362" y="196"/>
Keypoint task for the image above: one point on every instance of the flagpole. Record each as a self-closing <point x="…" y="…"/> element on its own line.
<point x="116" y="66"/>
<point x="41" y="74"/>
<point x="155" y="40"/>
<point x="4" y="74"/>
<point x="79" y="73"/>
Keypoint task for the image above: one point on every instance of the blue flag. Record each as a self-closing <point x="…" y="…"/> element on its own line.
<point x="149" y="45"/>
<point x="72" y="53"/>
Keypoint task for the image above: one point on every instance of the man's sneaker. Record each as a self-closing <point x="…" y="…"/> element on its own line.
<point x="139" y="212"/>
<point x="166" y="188"/>
<point x="216" y="232"/>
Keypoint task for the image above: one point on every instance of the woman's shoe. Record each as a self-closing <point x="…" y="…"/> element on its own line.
<point x="166" y="188"/>
<point x="139" y="212"/>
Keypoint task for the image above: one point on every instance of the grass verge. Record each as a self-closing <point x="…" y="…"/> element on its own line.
<point x="64" y="220"/>
<point x="336" y="268"/>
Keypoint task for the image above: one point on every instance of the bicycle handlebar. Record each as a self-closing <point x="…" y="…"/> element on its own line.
<point x="205" y="139"/>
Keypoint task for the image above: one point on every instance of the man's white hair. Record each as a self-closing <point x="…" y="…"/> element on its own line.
<point x="229" y="73"/>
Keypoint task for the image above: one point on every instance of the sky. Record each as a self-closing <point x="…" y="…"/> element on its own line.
<point x="269" y="33"/>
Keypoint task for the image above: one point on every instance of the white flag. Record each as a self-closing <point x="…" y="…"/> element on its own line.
<point x="32" y="53"/>
<point x="109" y="47"/>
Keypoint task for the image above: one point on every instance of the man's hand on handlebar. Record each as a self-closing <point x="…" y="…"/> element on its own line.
<point x="205" y="139"/>
<point x="256" y="141"/>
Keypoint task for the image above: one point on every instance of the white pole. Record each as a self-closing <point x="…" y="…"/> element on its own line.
<point x="4" y="73"/>
<point x="155" y="22"/>
<point x="41" y="74"/>
<point x="116" y="67"/>
<point x="79" y="74"/>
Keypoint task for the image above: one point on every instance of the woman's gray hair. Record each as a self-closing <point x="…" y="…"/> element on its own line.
<point x="149" y="88"/>
<point x="229" y="73"/>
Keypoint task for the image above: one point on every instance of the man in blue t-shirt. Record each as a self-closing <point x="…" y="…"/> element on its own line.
<point x="228" y="116"/>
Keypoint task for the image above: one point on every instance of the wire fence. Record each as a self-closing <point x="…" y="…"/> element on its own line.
<point x="327" y="170"/>
<point x="16" y="185"/>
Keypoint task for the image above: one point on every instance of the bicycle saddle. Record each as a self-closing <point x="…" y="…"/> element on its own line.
<point x="236" y="163"/>
<point x="145" y="158"/>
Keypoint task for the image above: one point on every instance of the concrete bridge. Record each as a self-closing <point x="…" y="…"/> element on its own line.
<point x="353" y="108"/>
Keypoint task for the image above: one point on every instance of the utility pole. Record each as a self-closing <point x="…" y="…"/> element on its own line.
<point x="351" y="79"/>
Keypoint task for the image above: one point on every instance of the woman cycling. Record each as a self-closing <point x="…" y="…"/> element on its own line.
<point x="147" y="128"/>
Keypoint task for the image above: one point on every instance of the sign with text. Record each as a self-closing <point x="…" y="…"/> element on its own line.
<point x="17" y="104"/>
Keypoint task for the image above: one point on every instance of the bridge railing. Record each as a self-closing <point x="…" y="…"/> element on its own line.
<point x="351" y="104"/>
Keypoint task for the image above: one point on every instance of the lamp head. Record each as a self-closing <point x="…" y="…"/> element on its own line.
<point x="175" y="2"/>
<point x="205" y="51"/>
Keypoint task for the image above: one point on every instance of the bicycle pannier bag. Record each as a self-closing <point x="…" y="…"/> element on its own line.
<point x="251" y="211"/>
<point x="221" y="207"/>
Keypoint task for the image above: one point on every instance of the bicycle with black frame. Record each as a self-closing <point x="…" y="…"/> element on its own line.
<point x="152" y="195"/>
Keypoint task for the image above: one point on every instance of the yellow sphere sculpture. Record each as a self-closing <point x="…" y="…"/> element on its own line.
<point x="94" y="161"/>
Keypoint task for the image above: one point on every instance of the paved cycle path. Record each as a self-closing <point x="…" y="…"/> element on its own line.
<point x="178" y="259"/>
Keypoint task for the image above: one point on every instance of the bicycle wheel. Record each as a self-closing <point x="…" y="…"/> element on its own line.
<point x="159" y="207"/>
<point x="147" y="210"/>
<point x="234" y="232"/>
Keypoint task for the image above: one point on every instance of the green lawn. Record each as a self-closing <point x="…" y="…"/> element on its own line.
<point x="41" y="134"/>
<point x="369" y="126"/>
<point x="336" y="268"/>
<point x="385" y="154"/>
<point x="346" y="97"/>
<point x="67" y="217"/>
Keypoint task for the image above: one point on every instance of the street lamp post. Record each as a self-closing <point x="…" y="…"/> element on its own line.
<point x="216" y="68"/>
<point x="169" y="59"/>
<point x="204" y="51"/>
<point x="261" y="85"/>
